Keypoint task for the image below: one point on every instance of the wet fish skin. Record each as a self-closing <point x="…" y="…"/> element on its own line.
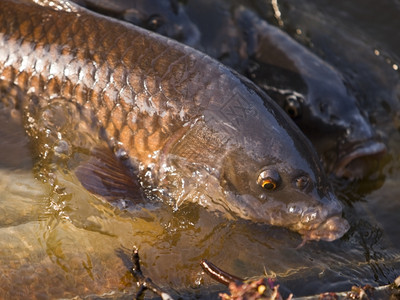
<point x="310" y="90"/>
<point x="191" y="128"/>
<point x="87" y="66"/>
<point x="314" y="94"/>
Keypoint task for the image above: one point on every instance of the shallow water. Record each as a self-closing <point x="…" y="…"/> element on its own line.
<point x="64" y="243"/>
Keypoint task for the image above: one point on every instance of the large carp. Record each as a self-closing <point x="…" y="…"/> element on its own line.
<point x="157" y="118"/>
<point x="310" y="90"/>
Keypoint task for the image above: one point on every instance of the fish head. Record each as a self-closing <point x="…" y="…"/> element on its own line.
<point x="166" y="17"/>
<point x="273" y="175"/>
<point x="340" y="131"/>
<point x="283" y="194"/>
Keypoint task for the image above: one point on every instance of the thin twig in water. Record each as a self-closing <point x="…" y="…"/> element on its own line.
<point x="145" y="283"/>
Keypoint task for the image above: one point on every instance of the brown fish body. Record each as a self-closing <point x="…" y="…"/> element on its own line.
<point x="143" y="89"/>
<point x="107" y="74"/>
<point x="183" y="121"/>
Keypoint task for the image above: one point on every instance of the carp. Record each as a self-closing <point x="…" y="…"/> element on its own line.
<point x="156" y="118"/>
<point x="311" y="91"/>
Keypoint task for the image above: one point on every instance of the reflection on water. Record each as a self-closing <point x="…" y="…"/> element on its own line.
<point x="71" y="243"/>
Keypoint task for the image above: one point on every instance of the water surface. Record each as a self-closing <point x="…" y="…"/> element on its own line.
<point x="65" y="242"/>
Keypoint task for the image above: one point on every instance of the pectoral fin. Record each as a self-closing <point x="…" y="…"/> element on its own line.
<point x="14" y="143"/>
<point x="107" y="176"/>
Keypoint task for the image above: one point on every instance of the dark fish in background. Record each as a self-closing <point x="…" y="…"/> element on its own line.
<point x="366" y="55"/>
<point x="311" y="91"/>
<point x="130" y="110"/>
<point x="166" y="17"/>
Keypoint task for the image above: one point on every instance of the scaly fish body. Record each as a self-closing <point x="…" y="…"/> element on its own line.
<point x="189" y="127"/>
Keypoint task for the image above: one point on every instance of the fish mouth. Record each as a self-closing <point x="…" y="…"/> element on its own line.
<point x="361" y="160"/>
<point x="331" y="229"/>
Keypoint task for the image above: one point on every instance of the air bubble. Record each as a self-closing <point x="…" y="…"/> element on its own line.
<point x="62" y="148"/>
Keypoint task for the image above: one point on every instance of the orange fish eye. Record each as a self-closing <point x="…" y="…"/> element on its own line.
<point x="269" y="179"/>
<point x="268" y="184"/>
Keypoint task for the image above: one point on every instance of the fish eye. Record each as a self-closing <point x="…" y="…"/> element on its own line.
<point x="292" y="106"/>
<point x="302" y="182"/>
<point x="269" y="180"/>
<point x="154" y="22"/>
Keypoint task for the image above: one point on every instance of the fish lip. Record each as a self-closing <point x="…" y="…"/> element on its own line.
<point x="365" y="149"/>
<point x="331" y="229"/>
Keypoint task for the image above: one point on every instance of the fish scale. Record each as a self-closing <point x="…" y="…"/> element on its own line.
<point x="150" y="112"/>
<point x="61" y="47"/>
